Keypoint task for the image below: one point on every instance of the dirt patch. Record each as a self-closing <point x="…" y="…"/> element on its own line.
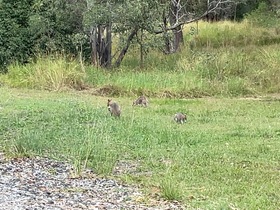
<point x="109" y="90"/>
<point x="114" y="91"/>
<point x="265" y="98"/>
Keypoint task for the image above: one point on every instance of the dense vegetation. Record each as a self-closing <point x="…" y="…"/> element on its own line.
<point x="223" y="59"/>
<point x="101" y="32"/>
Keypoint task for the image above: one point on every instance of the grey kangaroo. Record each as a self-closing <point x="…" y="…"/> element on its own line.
<point x="180" y="118"/>
<point x="114" y="108"/>
<point x="142" y="100"/>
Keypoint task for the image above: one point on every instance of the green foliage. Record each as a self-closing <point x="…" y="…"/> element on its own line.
<point x="15" y="38"/>
<point x="39" y="26"/>
<point x="125" y="17"/>
<point x="245" y="7"/>
<point x="203" y="163"/>
<point x="55" y="24"/>
<point x="263" y="17"/>
<point x="44" y="26"/>
<point x="49" y="73"/>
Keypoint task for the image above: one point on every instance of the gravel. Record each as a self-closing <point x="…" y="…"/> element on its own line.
<point x="42" y="183"/>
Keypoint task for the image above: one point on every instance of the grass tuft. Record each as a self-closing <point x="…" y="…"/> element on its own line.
<point x="48" y="73"/>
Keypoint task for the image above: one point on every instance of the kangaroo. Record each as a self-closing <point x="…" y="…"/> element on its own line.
<point x="142" y="100"/>
<point x="114" y="108"/>
<point x="180" y="118"/>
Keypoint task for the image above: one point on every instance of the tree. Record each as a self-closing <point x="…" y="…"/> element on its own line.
<point x="55" y="24"/>
<point x="39" y="26"/>
<point x="136" y="20"/>
<point x="15" y="37"/>
<point x="99" y="24"/>
<point x="181" y="12"/>
<point x="141" y="18"/>
<point x="127" y="20"/>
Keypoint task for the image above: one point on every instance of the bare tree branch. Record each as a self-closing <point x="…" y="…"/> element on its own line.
<point x="180" y="23"/>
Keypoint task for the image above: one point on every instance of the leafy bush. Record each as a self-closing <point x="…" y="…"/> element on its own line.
<point x="263" y="17"/>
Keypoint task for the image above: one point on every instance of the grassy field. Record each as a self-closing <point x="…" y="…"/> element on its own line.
<point x="227" y="156"/>
<point x="226" y="79"/>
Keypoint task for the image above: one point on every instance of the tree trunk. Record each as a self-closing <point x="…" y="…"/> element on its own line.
<point x="101" y="46"/>
<point x="109" y="45"/>
<point x="125" y="48"/>
<point x="177" y="32"/>
<point x="93" y="42"/>
<point x="141" y="49"/>
<point x="165" y="34"/>
<point x="178" y="38"/>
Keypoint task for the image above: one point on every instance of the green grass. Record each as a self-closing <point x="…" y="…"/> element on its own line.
<point x="226" y="156"/>
<point x="231" y="71"/>
<point x="229" y="34"/>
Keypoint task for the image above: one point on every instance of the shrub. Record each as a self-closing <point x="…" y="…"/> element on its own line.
<point x="263" y="17"/>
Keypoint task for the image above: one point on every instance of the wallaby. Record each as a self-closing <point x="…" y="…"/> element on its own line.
<point x="180" y="118"/>
<point x="114" y="108"/>
<point x="142" y="100"/>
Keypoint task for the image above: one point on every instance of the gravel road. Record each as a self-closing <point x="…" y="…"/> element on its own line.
<point x="41" y="183"/>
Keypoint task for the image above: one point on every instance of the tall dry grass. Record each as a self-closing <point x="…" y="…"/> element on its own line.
<point x="49" y="73"/>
